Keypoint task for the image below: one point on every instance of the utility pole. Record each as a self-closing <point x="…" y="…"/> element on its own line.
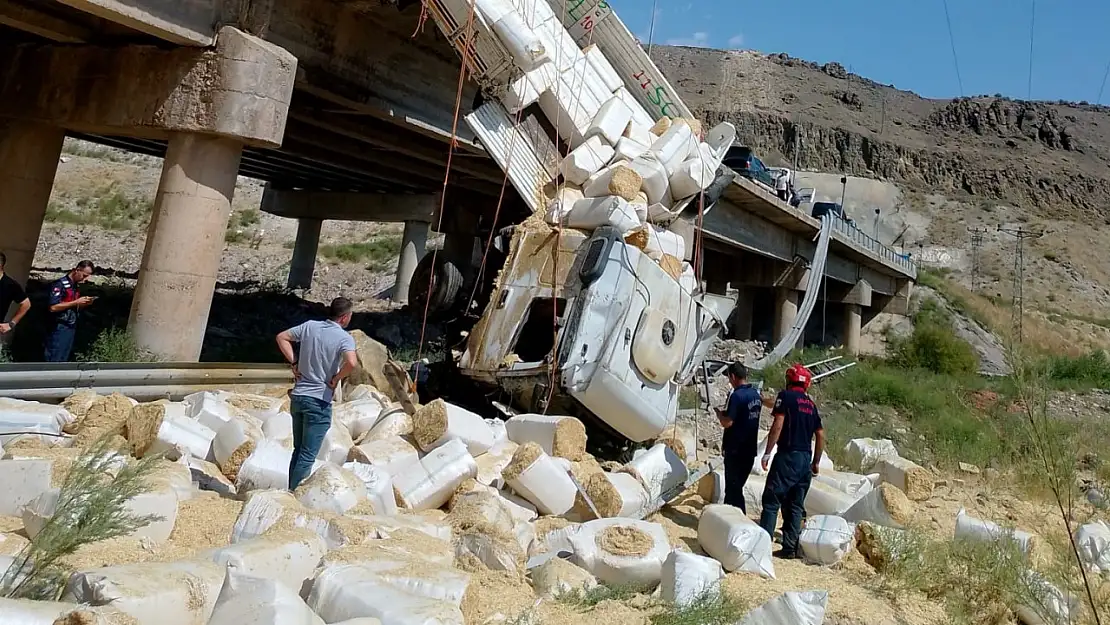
<point x="843" y="193"/>
<point x="1018" y="303"/>
<point x="797" y="147"/>
<point x="976" y="245"/>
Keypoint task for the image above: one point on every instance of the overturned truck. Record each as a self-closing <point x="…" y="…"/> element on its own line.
<point x="598" y="310"/>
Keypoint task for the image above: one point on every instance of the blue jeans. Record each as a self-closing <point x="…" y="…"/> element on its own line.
<point x="59" y="343"/>
<point x="787" y="486"/>
<point x="311" y="421"/>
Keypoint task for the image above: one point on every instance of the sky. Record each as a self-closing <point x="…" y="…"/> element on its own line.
<point x="906" y="42"/>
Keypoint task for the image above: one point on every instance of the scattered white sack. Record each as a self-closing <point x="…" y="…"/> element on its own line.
<point x="691" y="177"/>
<point x="349" y="591"/>
<point x="886" y="506"/>
<point x="17" y="415"/>
<point x="791" y="608"/>
<point x="289" y="557"/>
<point x="28" y="612"/>
<point x="366" y="620"/>
<point x="262" y="511"/>
<point x="235" y="439"/>
<point x="386" y="526"/>
<point x="558" y="577"/>
<point x="622" y="552"/>
<point x="862" y="454"/>
<point x="331" y="489"/>
<point x="210" y="409"/>
<point x="611" y="121"/>
<point x="597" y="185"/>
<point x="521" y="509"/>
<point x="337" y="444"/>
<point x="1093" y="542"/>
<point x="688" y="577"/>
<point x="526" y="90"/>
<point x="592" y="213"/>
<point x="564" y="437"/>
<point x="734" y="540"/>
<point x="430" y="483"/>
<point x="440" y="582"/>
<point x="825" y="539"/>
<point x="571" y="109"/>
<point x="279" y="427"/>
<point x="23" y="481"/>
<point x="822" y="499"/>
<point x="852" y="484"/>
<point x="392" y="455"/>
<point x="521" y="41"/>
<point x="175" y="476"/>
<point x="361" y="415"/>
<point x="1046" y="604"/>
<point x="250" y="600"/>
<point x="174" y="593"/>
<point x="437" y="422"/>
<point x="656" y="180"/>
<point x="628" y="149"/>
<point x="159" y="503"/>
<point x="379" y="487"/>
<point x="674" y="147"/>
<point x="659" y="470"/>
<point x="207" y="476"/>
<point x="660" y="242"/>
<point x="979" y="530"/>
<point x="711" y="487"/>
<point x="176" y="435"/>
<point x="613" y="495"/>
<point x="911" y="478"/>
<point x="534" y="475"/>
<point x="586" y="160"/>
<point x="266" y="468"/>
<point x="565" y="197"/>
<point x="641" y="119"/>
<point x="493" y="462"/>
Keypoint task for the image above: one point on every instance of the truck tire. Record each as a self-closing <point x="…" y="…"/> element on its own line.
<point x="435" y="286"/>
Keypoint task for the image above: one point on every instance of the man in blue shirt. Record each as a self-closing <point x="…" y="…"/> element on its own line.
<point x="327" y="355"/>
<point x="740" y="419"/>
<point x="797" y="424"/>
<point x="65" y="302"/>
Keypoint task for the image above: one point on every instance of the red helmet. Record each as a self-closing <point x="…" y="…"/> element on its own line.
<point x="798" y="374"/>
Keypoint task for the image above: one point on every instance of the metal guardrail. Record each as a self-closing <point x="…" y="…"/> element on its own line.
<point x="866" y="241"/>
<point x="143" y="382"/>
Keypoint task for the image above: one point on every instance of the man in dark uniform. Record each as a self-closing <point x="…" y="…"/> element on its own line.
<point x="10" y="293"/>
<point x="740" y="419"/>
<point x="797" y="423"/>
<point x="65" y="301"/>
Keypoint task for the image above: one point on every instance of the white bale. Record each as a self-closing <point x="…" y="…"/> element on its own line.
<point x="379" y="487"/>
<point x="609" y="76"/>
<point x="659" y="470"/>
<point x="520" y="508"/>
<point x="691" y="177"/>
<point x="642" y="571"/>
<point x="439" y="582"/>
<point x="209" y="477"/>
<point x="23" y="480"/>
<point x="571" y="109"/>
<point x="753" y="493"/>
<point x="331" y="489"/>
<point x="862" y="454"/>
<point x="360" y="415"/>
<point x="1093" y="542"/>
<point x="674" y="147"/>
<point x="563" y="51"/>
<point x="493" y="462"/>
<point x="174" y="593"/>
<point x="556" y="435"/>
<point x="558" y="577"/>
<point x="366" y="620"/>
<point x="545" y="485"/>
<point x="688" y="280"/>
<point x="386" y="526"/>
<point x="881" y="507"/>
<point x="392" y="454"/>
<point x="791" y="608"/>
<point x="629" y="149"/>
<point x="17" y="415"/>
<point x="592" y="213"/>
<point x="611" y="121"/>
<point x="826" y="540"/>
<point x="349" y="591"/>
<point x="235" y="433"/>
<point x="289" y="557"/>
<point x="180" y="435"/>
<point x="582" y="77"/>
<point x="734" y="540"/>
<point x="661" y="241"/>
<point x="262" y="511"/>
<point x="266" y="468"/>
<point x="656" y="179"/>
<point x="688" y="577"/>
<point x="979" y="530"/>
<point x="337" y="444"/>
<point x="522" y="42"/>
<point x="711" y="487"/>
<point x="28" y="612"/>
<point x="640" y="117"/>
<point x="252" y="600"/>
<point x="438" y="422"/>
<point x="597" y="185"/>
<point x="824" y="499"/>
<point x="851" y="484"/>
<point x="586" y="159"/>
<point x="279" y="427"/>
<point x="364" y="391"/>
<point x="626" y="488"/>
<point x="826" y="463"/>
<point x="526" y="90"/>
<point x="565" y="197"/>
<point x="431" y="482"/>
<point x="210" y="409"/>
<point x="910" y="477"/>
<point x="160" y="503"/>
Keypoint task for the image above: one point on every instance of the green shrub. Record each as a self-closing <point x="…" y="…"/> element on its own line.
<point x="378" y="252"/>
<point x="115" y="345"/>
<point x="934" y="346"/>
<point x="712" y="608"/>
<point x="1090" y="370"/>
<point x="108" y="207"/>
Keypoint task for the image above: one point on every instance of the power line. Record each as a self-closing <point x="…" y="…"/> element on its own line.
<point x="1103" y="86"/>
<point x="1018" y="294"/>
<point x="651" y="29"/>
<point x="1032" y="27"/>
<point x="952" y="41"/>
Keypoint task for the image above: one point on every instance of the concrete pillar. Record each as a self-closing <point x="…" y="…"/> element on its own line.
<point x="28" y="161"/>
<point x="853" y="323"/>
<point x="786" y="309"/>
<point x="741" y="329"/>
<point x="183" y="245"/>
<point x="413" y="242"/>
<point x="303" y="264"/>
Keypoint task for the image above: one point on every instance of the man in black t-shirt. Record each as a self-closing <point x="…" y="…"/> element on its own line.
<point x="797" y="424"/>
<point x="740" y="441"/>
<point x="10" y="293"/>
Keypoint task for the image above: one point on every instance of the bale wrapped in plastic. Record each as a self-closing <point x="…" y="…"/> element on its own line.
<point x="535" y="476"/>
<point x="1093" y="542"/>
<point x="622" y="552"/>
<point x="689" y="578"/>
<point x="349" y="591"/>
<point x="437" y="422"/>
<point x="560" y="436"/>
<point x="886" y="505"/>
<point x="674" y="147"/>
<point x="971" y="528"/>
<point x="592" y="213"/>
<point x="611" y="121"/>
<point x="252" y="600"/>
<point x="289" y="556"/>
<point x="586" y="160"/>
<point x="392" y="454"/>
<point x="826" y="540"/>
<point x="659" y="470"/>
<point x="613" y="495"/>
<point x="571" y="109"/>
<point x="522" y="41"/>
<point x="430" y="483"/>
<point x="379" y="487"/>
<point x="526" y="90"/>
<point x="791" y="608"/>
<point x="609" y="76"/>
<point x="734" y="540"/>
<point x="331" y="489"/>
<point x="910" y="477"/>
<point x="862" y="454"/>
<point x="172" y="593"/>
<point x="656" y="180"/>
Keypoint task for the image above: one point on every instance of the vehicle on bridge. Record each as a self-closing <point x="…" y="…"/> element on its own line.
<point x="743" y="161"/>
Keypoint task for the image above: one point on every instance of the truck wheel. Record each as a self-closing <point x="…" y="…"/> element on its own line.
<point x="436" y="287"/>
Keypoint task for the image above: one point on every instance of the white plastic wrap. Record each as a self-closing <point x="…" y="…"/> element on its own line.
<point x="331" y="489"/>
<point x="493" y="462"/>
<point x="674" y="147"/>
<point x="611" y="121"/>
<point x="662" y="242"/>
<point x="279" y="427"/>
<point x="266" y="468"/>
<point x="734" y="540"/>
<point x="592" y="213"/>
<point x="547" y="431"/>
<point x="379" y="487"/>
<point x="558" y="577"/>
<point x="27" y="612"/>
<point x="586" y="159"/>
<point x="971" y="528"/>
<point x="17" y="415"/>
<point x="262" y="510"/>
<point x="691" y="177"/>
<point x="640" y="118"/>
<point x="461" y="424"/>
<point x="522" y="42"/>
<point x="210" y="409"/>
<point x="825" y="540"/>
<point x="571" y="109"/>
<point x="234" y="434"/>
<point x="621" y="570"/>
<point x="337" y="444"/>
<point x="500" y="432"/>
<point x="248" y="600"/>
<point x="388" y="525"/>
<point x="23" y="481"/>
<point x="659" y="470"/>
<point x="431" y="482"/>
<point x="862" y="454"/>
<point x="392" y="455"/>
<point x="909" y="477"/>
<point x="609" y="76"/>
<point x="872" y="507"/>
<point x="597" y="185"/>
<point x="791" y="608"/>
<point x="824" y="499"/>
<point x="634" y="497"/>
<point x="546" y="486"/>
<point x="1047" y="604"/>
<point x="656" y="179"/>
<point x="179" y="435"/>
<point x="565" y="197"/>
<point x="1093" y="541"/>
<point x="852" y="484"/>
<point x="174" y="593"/>
<point x="629" y="149"/>
<point x="688" y="577"/>
<point x="354" y="591"/>
<point x="289" y="557"/>
<point x="360" y="415"/>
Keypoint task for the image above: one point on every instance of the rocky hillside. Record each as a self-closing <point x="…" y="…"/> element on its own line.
<point x="1051" y="158"/>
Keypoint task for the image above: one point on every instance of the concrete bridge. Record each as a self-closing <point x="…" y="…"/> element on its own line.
<point x="346" y="108"/>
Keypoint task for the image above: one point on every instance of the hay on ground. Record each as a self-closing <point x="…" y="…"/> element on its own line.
<point x="625" y="540"/>
<point x="106" y="415"/>
<point x="897" y="504"/>
<point x="230" y="468"/>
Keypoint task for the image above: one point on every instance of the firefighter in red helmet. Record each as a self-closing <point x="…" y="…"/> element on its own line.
<point x="800" y="439"/>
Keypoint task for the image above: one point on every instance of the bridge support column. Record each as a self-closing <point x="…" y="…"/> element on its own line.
<point x="28" y="161"/>
<point x="786" y="310"/>
<point x="853" y="324"/>
<point x="184" y="243"/>
<point x="741" y="327"/>
<point x="303" y="264"/>
<point x="413" y="244"/>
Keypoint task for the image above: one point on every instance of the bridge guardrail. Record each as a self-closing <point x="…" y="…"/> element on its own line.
<point x="866" y="241"/>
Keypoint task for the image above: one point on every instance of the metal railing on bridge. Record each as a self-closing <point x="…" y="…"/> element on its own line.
<point x="858" y="237"/>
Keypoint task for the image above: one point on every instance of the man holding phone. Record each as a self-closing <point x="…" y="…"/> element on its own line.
<point x="65" y="302"/>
